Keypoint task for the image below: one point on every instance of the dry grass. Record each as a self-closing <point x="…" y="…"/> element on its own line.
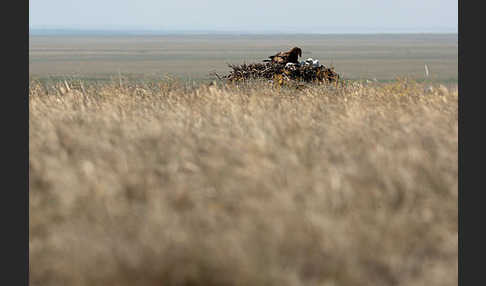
<point x="166" y="184"/>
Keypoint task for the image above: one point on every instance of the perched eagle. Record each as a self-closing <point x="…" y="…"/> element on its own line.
<point x="291" y="56"/>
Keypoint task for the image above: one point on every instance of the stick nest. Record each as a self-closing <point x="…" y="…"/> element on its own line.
<point x="281" y="73"/>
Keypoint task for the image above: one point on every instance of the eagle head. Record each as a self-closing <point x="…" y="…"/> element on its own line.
<point x="296" y="51"/>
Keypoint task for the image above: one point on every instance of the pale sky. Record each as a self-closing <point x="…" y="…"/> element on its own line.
<point x="301" y="16"/>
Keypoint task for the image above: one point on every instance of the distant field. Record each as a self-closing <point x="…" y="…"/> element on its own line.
<point x="383" y="57"/>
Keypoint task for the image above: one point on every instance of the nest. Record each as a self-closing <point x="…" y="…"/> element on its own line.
<point x="282" y="73"/>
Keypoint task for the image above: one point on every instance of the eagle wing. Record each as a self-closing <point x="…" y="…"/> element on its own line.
<point x="280" y="57"/>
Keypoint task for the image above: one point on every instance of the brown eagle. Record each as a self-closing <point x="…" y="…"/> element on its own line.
<point x="291" y="56"/>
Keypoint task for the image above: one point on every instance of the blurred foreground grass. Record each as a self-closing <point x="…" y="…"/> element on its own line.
<point x="166" y="183"/>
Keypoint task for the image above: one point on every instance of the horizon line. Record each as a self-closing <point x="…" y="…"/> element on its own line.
<point x="154" y="31"/>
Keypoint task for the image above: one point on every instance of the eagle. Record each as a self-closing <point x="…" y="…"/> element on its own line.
<point x="291" y="56"/>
